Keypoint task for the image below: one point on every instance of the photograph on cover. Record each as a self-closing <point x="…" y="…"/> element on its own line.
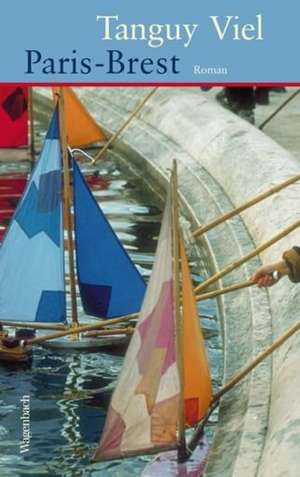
<point x="147" y="306"/>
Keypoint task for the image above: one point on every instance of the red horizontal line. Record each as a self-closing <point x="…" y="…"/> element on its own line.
<point x="162" y="85"/>
<point x="10" y="196"/>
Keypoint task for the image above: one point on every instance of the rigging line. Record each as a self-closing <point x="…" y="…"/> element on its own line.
<point x="76" y="149"/>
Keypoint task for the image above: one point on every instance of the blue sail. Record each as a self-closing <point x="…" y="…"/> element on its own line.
<point x="110" y="285"/>
<point x="32" y="253"/>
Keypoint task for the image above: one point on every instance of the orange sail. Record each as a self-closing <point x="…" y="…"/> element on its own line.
<point x="197" y="380"/>
<point x="82" y="129"/>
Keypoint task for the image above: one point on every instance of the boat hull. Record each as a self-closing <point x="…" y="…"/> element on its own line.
<point x="18" y="354"/>
<point x="104" y="343"/>
<point x="166" y="465"/>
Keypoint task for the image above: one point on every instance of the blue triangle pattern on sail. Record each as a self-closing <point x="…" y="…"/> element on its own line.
<point x="110" y="285"/>
<point x="32" y="253"/>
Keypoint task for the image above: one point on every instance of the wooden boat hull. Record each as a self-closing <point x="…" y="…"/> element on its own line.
<point x="166" y="465"/>
<point x="15" y="355"/>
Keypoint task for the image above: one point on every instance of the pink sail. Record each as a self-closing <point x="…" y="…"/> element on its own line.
<point x="143" y="411"/>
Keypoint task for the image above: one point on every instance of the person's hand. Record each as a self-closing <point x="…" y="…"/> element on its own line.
<point x="263" y="276"/>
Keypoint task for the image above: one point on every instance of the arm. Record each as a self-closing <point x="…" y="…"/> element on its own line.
<point x="264" y="275"/>
<point x="288" y="265"/>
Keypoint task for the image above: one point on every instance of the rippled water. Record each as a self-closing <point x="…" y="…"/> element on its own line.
<point x="66" y="421"/>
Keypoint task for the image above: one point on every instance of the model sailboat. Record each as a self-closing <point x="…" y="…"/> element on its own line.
<point x="165" y="383"/>
<point x="33" y="258"/>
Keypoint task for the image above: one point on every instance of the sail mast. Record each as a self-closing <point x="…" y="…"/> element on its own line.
<point x="31" y="126"/>
<point x="178" y="316"/>
<point x="67" y="206"/>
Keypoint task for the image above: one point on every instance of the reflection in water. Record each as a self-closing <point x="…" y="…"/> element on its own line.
<point x="67" y="415"/>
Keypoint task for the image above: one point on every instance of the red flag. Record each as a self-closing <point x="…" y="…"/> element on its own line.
<point x="13" y="116"/>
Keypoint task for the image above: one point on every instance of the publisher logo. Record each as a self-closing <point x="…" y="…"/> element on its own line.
<point x="25" y="423"/>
